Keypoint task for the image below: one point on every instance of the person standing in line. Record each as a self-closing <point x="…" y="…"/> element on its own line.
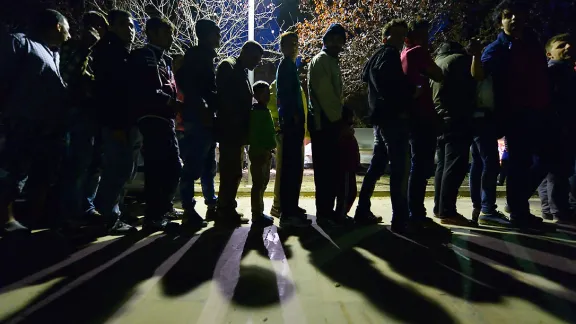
<point x="155" y="110"/>
<point x="455" y="101"/>
<point x="80" y="172"/>
<point x="522" y="96"/>
<point x="292" y="120"/>
<point x="349" y="161"/>
<point x="419" y="67"/>
<point x="35" y="129"/>
<point x="197" y="82"/>
<point x="232" y="127"/>
<point x="119" y="134"/>
<point x="553" y="194"/>
<point x="325" y="122"/>
<point x="262" y="141"/>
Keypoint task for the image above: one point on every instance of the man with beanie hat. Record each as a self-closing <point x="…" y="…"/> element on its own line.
<point x="197" y="81"/>
<point x="326" y="124"/>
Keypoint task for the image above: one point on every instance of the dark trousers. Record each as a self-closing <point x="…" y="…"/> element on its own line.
<point x="453" y="152"/>
<point x="485" y="166"/>
<point x="231" y="164"/>
<point x="162" y="165"/>
<point x="325" y="162"/>
<point x="260" y="162"/>
<point x="347" y="192"/>
<point x="532" y="157"/>
<point x="423" y="147"/>
<point x="292" y="168"/>
<point x="391" y="144"/>
<point x="553" y="197"/>
<point x="33" y="151"/>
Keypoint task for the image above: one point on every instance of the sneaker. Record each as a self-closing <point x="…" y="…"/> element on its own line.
<point x="159" y="225"/>
<point x="192" y="220"/>
<point x="475" y="215"/>
<point x="428" y="227"/>
<point x="211" y="214"/>
<point x="507" y="208"/>
<point x="547" y="216"/>
<point x="366" y="218"/>
<point x="335" y="221"/>
<point x="231" y="219"/>
<point x="295" y="221"/>
<point x="495" y="218"/>
<point x="121" y="228"/>
<point x="456" y="220"/>
<point x="527" y="222"/>
<point x="262" y="220"/>
<point x="175" y="214"/>
<point x="275" y="211"/>
<point x="14" y="228"/>
<point x="399" y="228"/>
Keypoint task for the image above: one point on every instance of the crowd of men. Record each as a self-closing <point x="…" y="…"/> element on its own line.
<point x="75" y="111"/>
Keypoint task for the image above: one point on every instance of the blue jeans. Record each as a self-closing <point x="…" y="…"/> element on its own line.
<point x="391" y="144"/>
<point x="198" y="151"/>
<point x="423" y="147"/>
<point x="80" y="174"/>
<point x="117" y="168"/>
<point x="484" y="169"/>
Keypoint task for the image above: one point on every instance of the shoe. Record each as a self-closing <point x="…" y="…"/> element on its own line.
<point x="295" y="221"/>
<point x="366" y="218"/>
<point x="507" y="208"/>
<point x="399" y="228"/>
<point x="14" y="228"/>
<point x="547" y="216"/>
<point x="262" y="220"/>
<point x="159" y="225"/>
<point x="527" y="222"/>
<point x="175" y="214"/>
<point x="335" y="221"/>
<point x="495" y="218"/>
<point x="211" y="214"/>
<point x="275" y="211"/>
<point x="230" y="219"/>
<point x="429" y="228"/>
<point x="192" y="220"/>
<point x="476" y="214"/>
<point x="456" y="219"/>
<point x="121" y="228"/>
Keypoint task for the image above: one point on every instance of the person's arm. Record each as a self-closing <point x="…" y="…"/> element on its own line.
<point x="287" y="92"/>
<point x="431" y="69"/>
<point x="476" y="69"/>
<point x="12" y="52"/>
<point x="320" y="83"/>
<point x="146" y="81"/>
<point x="223" y="79"/>
<point x="388" y="78"/>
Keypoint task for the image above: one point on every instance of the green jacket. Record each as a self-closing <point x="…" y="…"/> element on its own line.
<point x="325" y="90"/>
<point x="262" y="133"/>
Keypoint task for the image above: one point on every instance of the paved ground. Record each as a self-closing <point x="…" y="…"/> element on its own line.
<point x="365" y="275"/>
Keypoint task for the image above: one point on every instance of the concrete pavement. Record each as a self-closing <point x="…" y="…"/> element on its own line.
<point x="364" y="275"/>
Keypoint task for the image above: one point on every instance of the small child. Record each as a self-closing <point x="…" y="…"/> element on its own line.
<point x="262" y="140"/>
<point x="349" y="162"/>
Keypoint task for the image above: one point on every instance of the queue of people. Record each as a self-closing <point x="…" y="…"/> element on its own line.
<point x="77" y="110"/>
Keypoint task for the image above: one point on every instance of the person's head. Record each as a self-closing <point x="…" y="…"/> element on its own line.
<point x="177" y="61"/>
<point x="394" y="33"/>
<point x="560" y="48"/>
<point x="160" y="32"/>
<point x="261" y="92"/>
<point x="451" y="47"/>
<point x="52" y="27"/>
<point x="96" y="20"/>
<point x="418" y="32"/>
<point x="122" y="25"/>
<point x="251" y="55"/>
<point x="208" y="32"/>
<point x="334" y="39"/>
<point x="512" y="16"/>
<point x="289" y="45"/>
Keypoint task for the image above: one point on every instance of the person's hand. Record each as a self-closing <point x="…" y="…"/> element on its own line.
<point x="475" y="47"/>
<point x="120" y="136"/>
<point x="90" y="37"/>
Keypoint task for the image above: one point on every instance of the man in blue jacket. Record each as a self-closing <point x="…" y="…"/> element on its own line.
<point x="197" y="81"/>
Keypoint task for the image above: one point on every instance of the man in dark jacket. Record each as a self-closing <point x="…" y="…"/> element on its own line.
<point x="33" y="109"/>
<point x="80" y="172"/>
<point x="119" y="134"/>
<point x="197" y="82"/>
<point x="232" y="126"/>
<point x="516" y="62"/>
<point x="155" y="107"/>
<point x="389" y="96"/>
<point x="454" y="101"/>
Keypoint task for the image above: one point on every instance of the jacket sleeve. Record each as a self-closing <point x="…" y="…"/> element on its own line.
<point x="320" y="83"/>
<point x="197" y="75"/>
<point x="12" y="51"/>
<point x="389" y="79"/>
<point x="147" y="84"/>
<point x="287" y="92"/>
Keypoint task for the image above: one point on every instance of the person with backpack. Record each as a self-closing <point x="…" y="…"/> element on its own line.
<point x="34" y="110"/>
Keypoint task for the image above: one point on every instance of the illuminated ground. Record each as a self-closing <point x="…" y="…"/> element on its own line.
<point x="367" y="275"/>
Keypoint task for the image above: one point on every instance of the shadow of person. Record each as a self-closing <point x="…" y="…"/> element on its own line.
<point x="258" y="287"/>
